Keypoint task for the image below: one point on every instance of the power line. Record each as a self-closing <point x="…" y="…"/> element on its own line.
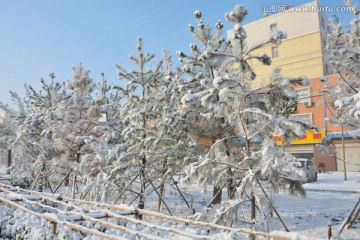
<point x="149" y="13"/>
<point x="140" y="24"/>
<point x="120" y="21"/>
<point x="172" y="35"/>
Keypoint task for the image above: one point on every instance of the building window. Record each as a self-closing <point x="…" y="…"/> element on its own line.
<point x="303" y="95"/>
<point x="306" y="118"/>
<point x="273" y="27"/>
<point x="274" y="52"/>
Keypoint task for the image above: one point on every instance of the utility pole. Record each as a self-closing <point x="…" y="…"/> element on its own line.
<point x="343" y="149"/>
<point x="323" y="80"/>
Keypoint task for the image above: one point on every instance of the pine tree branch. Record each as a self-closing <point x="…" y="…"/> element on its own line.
<point x="347" y="82"/>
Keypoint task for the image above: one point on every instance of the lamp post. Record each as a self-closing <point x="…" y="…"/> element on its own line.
<point x="343" y="148"/>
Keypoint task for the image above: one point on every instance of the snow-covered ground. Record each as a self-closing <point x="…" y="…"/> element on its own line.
<point x="312" y="214"/>
<point x="334" y="181"/>
<point x="327" y="202"/>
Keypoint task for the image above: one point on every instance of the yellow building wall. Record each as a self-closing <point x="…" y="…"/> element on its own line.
<point x="297" y="56"/>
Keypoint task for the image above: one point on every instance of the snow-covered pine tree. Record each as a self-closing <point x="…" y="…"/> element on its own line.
<point x="73" y="122"/>
<point x="95" y="165"/>
<point x="7" y="133"/>
<point x="151" y="149"/>
<point x="56" y="127"/>
<point x="201" y="71"/>
<point x="39" y="125"/>
<point x="218" y="92"/>
<point x="24" y="138"/>
<point x="30" y="140"/>
<point x="171" y="144"/>
<point x="343" y="48"/>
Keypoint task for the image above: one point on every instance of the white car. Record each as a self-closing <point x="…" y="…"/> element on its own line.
<point x="307" y="170"/>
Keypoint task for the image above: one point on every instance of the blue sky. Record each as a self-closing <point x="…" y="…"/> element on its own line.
<point x="38" y="37"/>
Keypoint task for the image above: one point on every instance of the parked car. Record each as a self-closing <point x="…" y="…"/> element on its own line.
<point x="307" y="170"/>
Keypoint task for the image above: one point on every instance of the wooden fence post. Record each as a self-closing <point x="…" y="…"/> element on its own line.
<point x="329" y="232"/>
<point x="54" y="225"/>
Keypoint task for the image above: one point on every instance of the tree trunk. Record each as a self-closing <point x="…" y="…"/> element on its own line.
<point x="217" y="198"/>
<point x="162" y="187"/>
<point x="353" y="219"/>
<point x="78" y="156"/>
<point x="253" y="212"/>
<point x="67" y="181"/>
<point x="73" y="186"/>
<point x="41" y="181"/>
<point x="9" y="161"/>
<point x="141" y="204"/>
<point x="230" y="180"/>
<point x="161" y="192"/>
<point x="252" y="197"/>
<point x="230" y="185"/>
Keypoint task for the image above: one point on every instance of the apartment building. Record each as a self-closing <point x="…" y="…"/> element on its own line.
<point x="302" y="53"/>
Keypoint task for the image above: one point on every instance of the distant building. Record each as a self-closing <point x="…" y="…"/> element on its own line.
<point x="302" y="53"/>
<point x="312" y="108"/>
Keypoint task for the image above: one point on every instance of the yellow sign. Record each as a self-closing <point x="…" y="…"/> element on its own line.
<point x="311" y="136"/>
